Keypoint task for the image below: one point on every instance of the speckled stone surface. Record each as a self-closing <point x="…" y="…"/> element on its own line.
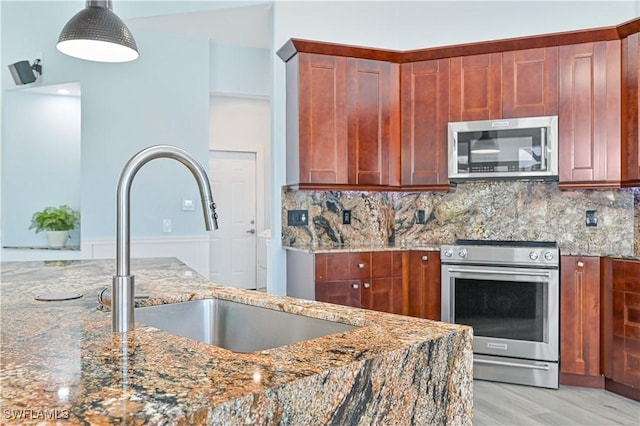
<point x="61" y="363"/>
<point x="528" y="211"/>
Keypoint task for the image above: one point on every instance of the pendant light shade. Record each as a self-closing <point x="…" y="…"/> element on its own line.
<point x="97" y="34"/>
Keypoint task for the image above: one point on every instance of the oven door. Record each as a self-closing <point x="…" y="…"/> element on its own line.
<point x="514" y="312"/>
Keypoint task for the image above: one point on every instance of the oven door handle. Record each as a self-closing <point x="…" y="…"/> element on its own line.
<point x="513" y="364"/>
<point x="499" y="272"/>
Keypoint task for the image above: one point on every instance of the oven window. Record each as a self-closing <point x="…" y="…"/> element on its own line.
<point x="502" y="309"/>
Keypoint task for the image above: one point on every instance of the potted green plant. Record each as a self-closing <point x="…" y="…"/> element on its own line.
<point x="57" y="221"/>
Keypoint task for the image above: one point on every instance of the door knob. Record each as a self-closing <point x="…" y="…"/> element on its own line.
<point x="251" y="231"/>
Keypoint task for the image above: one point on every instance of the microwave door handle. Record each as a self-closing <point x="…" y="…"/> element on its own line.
<point x="500" y="272"/>
<point x="543" y="149"/>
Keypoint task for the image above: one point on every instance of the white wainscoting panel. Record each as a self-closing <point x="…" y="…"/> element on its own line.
<point x="193" y="251"/>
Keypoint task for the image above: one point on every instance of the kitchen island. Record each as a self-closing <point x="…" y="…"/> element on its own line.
<point x="61" y="363"/>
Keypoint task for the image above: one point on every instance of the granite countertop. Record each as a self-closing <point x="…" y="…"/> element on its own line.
<point x="353" y="248"/>
<point x="60" y="361"/>
<point x="423" y="246"/>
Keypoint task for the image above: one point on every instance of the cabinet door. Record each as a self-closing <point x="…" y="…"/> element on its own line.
<point x="530" y="82"/>
<point x="322" y="119"/>
<point x="346" y="293"/>
<point x="425" y="115"/>
<point x="385" y="291"/>
<point x="475" y="92"/>
<point x="589" y="114"/>
<point x="332" y="267"/>
<point x="625" y="349"/>
<point x="580" y="321"/>
<point x="424" y="285"/>
<point x="383" y="294"/>
<point x="631" y="112"/>
<point x="373" y="115"/>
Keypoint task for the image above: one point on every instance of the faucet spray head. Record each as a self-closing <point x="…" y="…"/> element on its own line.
<point x="210" y="215"/>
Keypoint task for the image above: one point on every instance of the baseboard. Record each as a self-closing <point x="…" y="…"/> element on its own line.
<point x="193" y="251"/>
<point x="623" y="390"/>
<point x="569" y="379"/>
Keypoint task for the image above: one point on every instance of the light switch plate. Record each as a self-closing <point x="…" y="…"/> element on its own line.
<point x="591" y="218"/>
<point x="188" y="205"/>
<point x="346" y="217"/>
<point x="298" y="217"/>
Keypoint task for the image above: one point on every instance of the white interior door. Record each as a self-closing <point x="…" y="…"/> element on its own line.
<point x="233" y="245"/>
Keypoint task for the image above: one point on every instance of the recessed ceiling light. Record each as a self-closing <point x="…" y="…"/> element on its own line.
<point x="63" y="92"/>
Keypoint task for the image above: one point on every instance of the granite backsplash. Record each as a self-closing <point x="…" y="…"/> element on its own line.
<point x="522" y="210"/>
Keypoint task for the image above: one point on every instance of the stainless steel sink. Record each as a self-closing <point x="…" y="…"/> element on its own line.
<point x="236" y="326"/>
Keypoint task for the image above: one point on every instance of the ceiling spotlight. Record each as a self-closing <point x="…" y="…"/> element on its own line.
<point x="97" y="34"/>
<point x="25" y="73"/>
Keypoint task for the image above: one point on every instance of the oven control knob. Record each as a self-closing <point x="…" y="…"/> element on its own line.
<point x="548" y="255"/>
<point x="462" y="253"/>
<point x="533" y="255"/>
<point x="448" y="252"/>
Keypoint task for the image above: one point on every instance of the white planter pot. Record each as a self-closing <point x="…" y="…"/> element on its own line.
<point x="57" y="238"/>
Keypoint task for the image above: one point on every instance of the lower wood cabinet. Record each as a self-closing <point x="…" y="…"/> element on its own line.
<point x="345" y="293"/>
<point x="580" y="321"/>
<point x="424" y="285"/>
<point x="370" y="280"/>
<point x="621" y="322"/>
<point x="399" y="282"/>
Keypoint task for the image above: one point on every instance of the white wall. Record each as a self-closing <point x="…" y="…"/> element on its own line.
<point x="162" y="98"/>
<point x="240" y="70"/>
<point x="43" y="162"/>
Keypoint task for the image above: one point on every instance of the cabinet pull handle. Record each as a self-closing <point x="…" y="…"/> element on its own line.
<point x="580" y="264"/>
<point x="361" y="265"/>
<point x="366" y="285"/>
<point x="355" y="285"/>
<point x="425" y="258"/>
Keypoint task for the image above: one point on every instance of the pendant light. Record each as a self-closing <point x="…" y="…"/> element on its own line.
<point x="97" y="34"/>
<point x="485" y="145"/>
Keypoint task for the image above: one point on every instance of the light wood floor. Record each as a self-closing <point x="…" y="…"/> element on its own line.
<point x="506" y="404"/>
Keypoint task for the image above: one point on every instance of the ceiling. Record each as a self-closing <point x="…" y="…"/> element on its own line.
<point x="244" y="26"/>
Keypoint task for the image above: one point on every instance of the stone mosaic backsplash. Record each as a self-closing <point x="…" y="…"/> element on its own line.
<point x="522" y="210"/>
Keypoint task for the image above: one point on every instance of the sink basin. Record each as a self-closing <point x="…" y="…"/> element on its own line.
<point x="236" y="326"/>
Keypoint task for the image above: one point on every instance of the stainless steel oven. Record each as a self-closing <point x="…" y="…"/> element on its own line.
<point x="508" y="291"/>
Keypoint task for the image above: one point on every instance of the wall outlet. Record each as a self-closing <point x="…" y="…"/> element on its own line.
<point x="346" y="217"/>
<point x="298" y="217"/>
<point x="166" y="225"/>
<point x="421" y="217"/>
<point x="591" y="218"/>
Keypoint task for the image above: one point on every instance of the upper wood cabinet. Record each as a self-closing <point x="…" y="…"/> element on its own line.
<point x="347" y="127"/>
<point x="630" y="110"/>
<point x="589" y="114"/>
<point x="580" y="321"/>
<point x="373" y="122"/>
<point x="425" y="114"/>
<point x="372" y="119"/>
<point x="475" y="91"/>
<point x="530" y="82"/>
<point x="317" y="140"/>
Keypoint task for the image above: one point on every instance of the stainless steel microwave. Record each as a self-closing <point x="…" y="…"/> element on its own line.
<point x="518" y="148"/>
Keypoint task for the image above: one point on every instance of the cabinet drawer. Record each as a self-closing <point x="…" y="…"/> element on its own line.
<point x="342" y="266"/>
